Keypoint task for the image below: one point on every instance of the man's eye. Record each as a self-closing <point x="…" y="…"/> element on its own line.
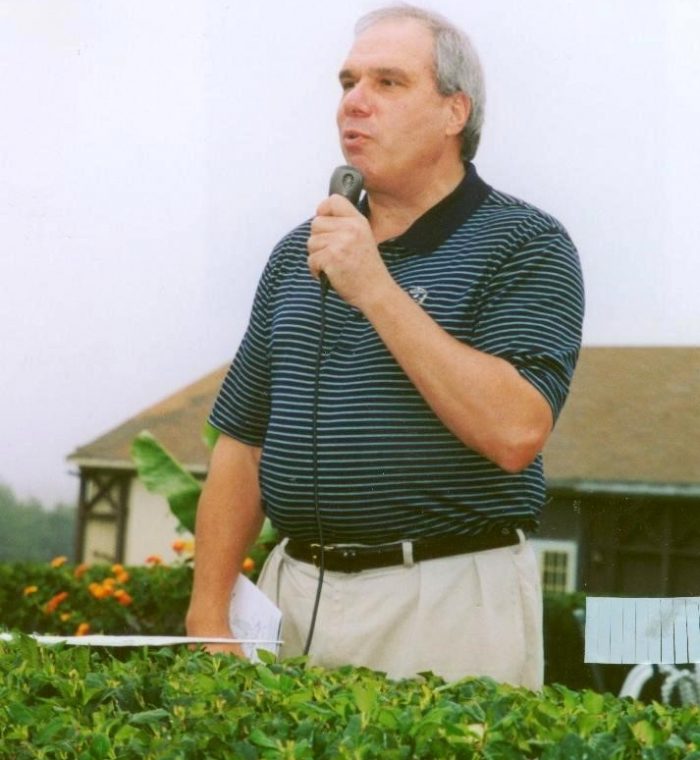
<point x="347" y="84"/>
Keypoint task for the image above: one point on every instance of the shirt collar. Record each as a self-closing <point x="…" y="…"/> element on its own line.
<point x="431" y="229"/>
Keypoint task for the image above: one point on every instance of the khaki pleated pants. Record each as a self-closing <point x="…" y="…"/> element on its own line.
<point x="468" y="615"/>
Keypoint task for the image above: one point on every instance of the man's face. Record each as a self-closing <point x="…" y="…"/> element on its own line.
<point x="394" y="125"/>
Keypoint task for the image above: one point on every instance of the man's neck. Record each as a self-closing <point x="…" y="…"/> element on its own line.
<point x="392" y="213"/>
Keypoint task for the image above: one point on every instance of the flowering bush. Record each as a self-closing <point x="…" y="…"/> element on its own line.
<point x="66" y="599"/>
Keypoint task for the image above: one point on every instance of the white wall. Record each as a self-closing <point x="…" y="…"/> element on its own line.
<point x="150" y="528"/>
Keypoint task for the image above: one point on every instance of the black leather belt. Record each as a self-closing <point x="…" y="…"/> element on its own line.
<point x="352" y="558"/>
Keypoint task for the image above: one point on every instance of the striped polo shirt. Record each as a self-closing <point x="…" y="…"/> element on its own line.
<point x="494" y="272"/>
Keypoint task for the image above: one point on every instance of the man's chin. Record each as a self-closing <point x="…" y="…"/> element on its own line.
<point x="367" y="169"/>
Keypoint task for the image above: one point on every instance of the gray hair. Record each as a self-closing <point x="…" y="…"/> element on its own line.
<point x="457" y="65"/>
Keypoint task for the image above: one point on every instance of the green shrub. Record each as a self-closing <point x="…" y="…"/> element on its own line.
<point x="60" y="702"/>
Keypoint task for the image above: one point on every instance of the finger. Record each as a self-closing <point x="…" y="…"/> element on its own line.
<point x="233" y="649"/>
<point x="336" y="205"/>
<point x="322" y="240"/>
<point x="330" y="223"/>
<point x="314" y="264"/>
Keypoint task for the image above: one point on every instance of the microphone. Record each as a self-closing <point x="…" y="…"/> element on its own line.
<point x="346" y="181"/>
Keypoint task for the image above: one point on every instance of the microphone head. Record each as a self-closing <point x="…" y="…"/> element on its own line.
<point x="347" y="181"/>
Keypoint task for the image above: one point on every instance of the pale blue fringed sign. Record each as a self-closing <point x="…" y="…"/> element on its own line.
<point x="642" y="630"/>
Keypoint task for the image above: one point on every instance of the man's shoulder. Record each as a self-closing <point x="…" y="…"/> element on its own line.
<point x="294" y="239"/>
<point x="512" y="214"/>
<point x="289" y="252"/>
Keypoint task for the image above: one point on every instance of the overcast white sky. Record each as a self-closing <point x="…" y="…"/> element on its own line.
<point x="151" y="153"/>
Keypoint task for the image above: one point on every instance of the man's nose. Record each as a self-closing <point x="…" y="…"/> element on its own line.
<point x="357" y="100"/>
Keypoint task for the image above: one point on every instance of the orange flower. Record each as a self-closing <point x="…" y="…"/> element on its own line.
<point x="178" y="545"/>
<point x="248" y="565"/>
<point x="83" y="629"/>
<point x="95" y="589"/>
<point x="30" y="590"/>
<point x="99" y="591"/>
<point x="109" y="583"/>
<point x="59" y="561"/>
<point x="80" y="570"/>
<point x="123" y="597"/>
<point x="123" y="577"/>
<point x="55" y="600"/>
<point x="116" y="569"/>
<point x="154" y="559"/>
<point x="182" y="546"/>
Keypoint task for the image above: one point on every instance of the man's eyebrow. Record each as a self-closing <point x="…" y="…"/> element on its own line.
<point x="378" y="71"/>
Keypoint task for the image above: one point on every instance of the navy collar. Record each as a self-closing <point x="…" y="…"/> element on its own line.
<point x="431" y="229"/>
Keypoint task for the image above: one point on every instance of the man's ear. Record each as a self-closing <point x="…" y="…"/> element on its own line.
<point x="460" y="108"/>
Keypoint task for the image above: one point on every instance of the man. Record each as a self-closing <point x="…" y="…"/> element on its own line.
<point x="410" y="446"/>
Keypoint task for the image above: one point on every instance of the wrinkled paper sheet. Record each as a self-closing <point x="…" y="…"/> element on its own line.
<point x="255" y="619"/>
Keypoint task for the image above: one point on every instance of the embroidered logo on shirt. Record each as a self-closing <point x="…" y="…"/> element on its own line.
<point x="417" y="293"/>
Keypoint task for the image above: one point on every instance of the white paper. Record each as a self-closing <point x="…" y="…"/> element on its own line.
<point x="254" y="619"/>
<point x="135" y="641"/>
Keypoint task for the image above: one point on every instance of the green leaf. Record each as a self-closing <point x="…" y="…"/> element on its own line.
<point x="266" y="657"/>
<point x="161" y="473"/>
<point x="645" y="733"/>
<point x="593" y="702"/>
<point x="387" y="719"/>
<point x="365" y="699"/>
<point x="267" y="678"/>
<point x="100" y="746"/>
<point x="263" y="740"/>
<point x="210" y="435"/>
<point x="149" y="716"/>
<point x="268" y="535"/>
<point x="20" y="714"/>
<point x="48" y="732"/>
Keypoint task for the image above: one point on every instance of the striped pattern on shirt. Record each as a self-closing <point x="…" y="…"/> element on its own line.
<point x="507" y="281"/>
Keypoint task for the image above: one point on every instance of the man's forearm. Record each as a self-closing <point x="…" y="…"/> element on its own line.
<point x="229" y="519"/>
<point x="481" y="398"/>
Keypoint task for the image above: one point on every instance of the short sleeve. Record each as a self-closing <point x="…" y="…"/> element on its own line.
<point x="532" y="313"/>
<point x="242" y="407"/>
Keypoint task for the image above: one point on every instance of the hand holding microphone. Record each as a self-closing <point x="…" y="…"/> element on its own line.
<point x="346" y="181"/>
<point x="342" y="249"/>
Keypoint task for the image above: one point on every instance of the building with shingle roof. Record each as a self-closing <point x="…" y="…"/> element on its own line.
<point x="623" y="472"/>
<point x="622" y="466"/>
<point x="118" y="519"/>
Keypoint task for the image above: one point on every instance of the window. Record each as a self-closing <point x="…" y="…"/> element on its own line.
<point x="558" y="563"/>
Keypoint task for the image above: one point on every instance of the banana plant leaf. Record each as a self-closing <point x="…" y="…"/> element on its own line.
<point x="162" y="474"/>
<point x="210" y="435"/>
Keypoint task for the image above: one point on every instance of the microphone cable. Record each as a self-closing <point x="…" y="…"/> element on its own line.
<point x="315" y="462"/>
<point x="346" y="181"/>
